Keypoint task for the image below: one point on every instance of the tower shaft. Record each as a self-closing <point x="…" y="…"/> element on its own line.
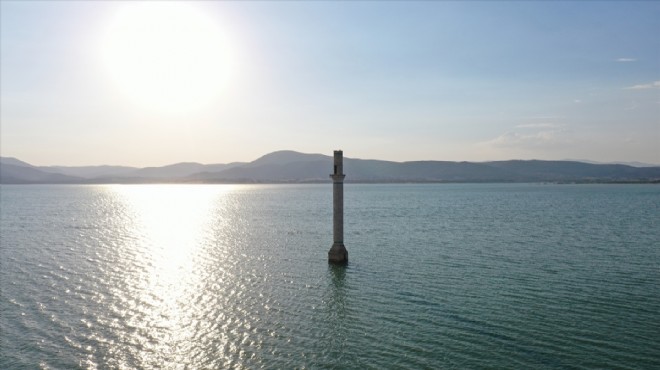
<point x="338" y="252"/>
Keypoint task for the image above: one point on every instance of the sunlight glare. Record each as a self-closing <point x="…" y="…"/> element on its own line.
<point x="167" y="56"/>
<point x="173" y="228"/>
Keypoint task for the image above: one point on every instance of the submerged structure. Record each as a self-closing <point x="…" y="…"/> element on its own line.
<point x="338" y="253"/>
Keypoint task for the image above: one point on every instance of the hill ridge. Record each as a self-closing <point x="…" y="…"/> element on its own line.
<point x="288" y="166"/>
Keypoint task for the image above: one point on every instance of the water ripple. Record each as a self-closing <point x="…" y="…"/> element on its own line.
<point x="441" y="276"/>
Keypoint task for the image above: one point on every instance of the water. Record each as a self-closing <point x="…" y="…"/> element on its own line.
<point x="440" y="276"/>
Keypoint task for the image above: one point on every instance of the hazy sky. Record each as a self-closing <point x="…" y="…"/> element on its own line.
<point x="91" y="82"/>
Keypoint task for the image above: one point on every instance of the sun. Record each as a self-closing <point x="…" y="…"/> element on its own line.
<point x="167" y="56"/>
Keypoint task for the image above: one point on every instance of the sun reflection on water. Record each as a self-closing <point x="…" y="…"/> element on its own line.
<point x="170" y="224"/>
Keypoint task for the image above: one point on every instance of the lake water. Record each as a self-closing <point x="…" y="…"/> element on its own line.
<point x="236" y="276"/>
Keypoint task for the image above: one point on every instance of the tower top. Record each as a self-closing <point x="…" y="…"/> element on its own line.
<point x="338" y="173"/>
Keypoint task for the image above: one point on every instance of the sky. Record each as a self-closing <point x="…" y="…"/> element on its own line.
<point x="155" y="83"/>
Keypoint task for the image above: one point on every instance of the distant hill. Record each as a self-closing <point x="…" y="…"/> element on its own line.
<point x="280" y="166"/>
<point x="177" y="170"/>
<point x="20" y="174"/>
<point x="90" y="172"/>
<point x="286" y="157"/>
<point x="633" y="164"/>
<point x="536" y="170"/>
<point x="13" y="162"/>
<point x="289" y="166"/>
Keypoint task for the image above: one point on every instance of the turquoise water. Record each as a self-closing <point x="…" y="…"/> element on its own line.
<point x="220" y="276"/>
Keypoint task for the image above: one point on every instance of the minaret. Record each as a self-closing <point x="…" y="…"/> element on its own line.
<point x="338" y="253"/>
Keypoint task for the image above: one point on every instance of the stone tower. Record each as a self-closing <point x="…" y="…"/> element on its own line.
<point x="338" y="253"/>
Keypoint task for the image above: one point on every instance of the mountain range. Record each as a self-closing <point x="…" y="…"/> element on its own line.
<point x="294" y="167"/>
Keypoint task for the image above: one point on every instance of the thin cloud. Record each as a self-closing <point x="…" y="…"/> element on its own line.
<point x="542" y="139"/>
<point x="652" y="85"/>
<point x="626" y="60"/>
<point x="539" y="125"/>
<point x="632" y="106"/>
<point x="545" y="118"/>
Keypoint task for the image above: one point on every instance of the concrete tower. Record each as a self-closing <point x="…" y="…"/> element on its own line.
<point x="338" y="252"/>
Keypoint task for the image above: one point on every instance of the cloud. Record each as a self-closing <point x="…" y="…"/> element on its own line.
<point x="509" y="139"/>
<point x="652" y="85"/>
<point x="626" y="60"/>
<point x="544" y="118"/>
<point x="632" y="106"/>
<point x="533" y="136"/>
<point x="537" y="140"/>
<point x="539" y="125"/>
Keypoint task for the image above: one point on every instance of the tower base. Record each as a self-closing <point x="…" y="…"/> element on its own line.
<point x="338" y="254"/>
